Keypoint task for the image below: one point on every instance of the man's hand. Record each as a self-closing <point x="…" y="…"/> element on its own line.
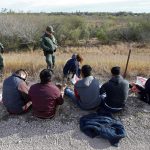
<point x="63" y="89"/>
<point x="25" y="107"/>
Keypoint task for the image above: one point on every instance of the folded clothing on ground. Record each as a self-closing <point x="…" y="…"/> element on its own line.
<point x="102" y="125"/>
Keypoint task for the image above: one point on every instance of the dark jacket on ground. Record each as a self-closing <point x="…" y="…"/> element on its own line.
<point x="100" y="125"/>
<point x="71" y="66"/>
<point x="45" y="98"/>
<point x="87" y="91"/>
<point x="14" y="88"/>
<point x="116" y="90"/>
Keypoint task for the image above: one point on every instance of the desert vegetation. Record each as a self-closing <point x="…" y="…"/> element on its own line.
<point x="74" y="29"/>
<point x="102" y="38"/>
<point x="100" y="58"/>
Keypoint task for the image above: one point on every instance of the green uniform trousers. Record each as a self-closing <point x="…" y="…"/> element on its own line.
<point x="50" y="60"/>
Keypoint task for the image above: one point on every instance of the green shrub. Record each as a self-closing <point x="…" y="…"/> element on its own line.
<point x="71" y="29"/>
<point x="18" y="28"/>
<point x="103" y="35"/>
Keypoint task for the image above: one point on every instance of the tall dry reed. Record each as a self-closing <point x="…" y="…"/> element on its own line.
<point x="100" y="58"/>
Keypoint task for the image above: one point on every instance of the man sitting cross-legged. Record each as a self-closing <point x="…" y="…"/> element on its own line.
<point x="15" y="93"/>
<point x="45" y="96"/>
<point x="86" y="91"/>
<point x="115" y="90"/>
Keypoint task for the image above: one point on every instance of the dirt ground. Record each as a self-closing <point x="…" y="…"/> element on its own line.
<point x="26" y="132"/>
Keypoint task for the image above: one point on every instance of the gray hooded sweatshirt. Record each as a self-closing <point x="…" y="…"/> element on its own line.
<point x="116" y="90"/>
<point x="88" y="91"/>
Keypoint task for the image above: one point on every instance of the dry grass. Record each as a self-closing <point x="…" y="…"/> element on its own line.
<point x="100" y="58"/>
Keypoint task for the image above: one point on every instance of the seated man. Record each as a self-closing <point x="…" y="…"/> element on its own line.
<point x="45" y="96"/>
<point x="15" y="93"/>
<point x="86" y="91"/>
<point x="116" y="90"/>
<point x="143" y="92"/>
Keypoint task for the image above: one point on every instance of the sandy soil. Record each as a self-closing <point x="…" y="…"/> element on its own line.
<point x="26" y="132"/>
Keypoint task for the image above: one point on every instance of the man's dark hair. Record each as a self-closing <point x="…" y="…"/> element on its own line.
<point x="45" y="76"/>
<point x="115" y="70"/>
<point x="86" y="70"/>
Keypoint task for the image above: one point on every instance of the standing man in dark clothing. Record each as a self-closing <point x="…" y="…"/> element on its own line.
<point x="45" y="96"/>
<point x="1" y="59"/>
<point x="15" y="93"/>
<point x="49" y="46"/>
<point x="116" y="90"/>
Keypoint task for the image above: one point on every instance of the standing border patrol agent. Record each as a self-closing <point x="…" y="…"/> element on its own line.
<point x="1" y="59"/>
<point x="49" y="46"/>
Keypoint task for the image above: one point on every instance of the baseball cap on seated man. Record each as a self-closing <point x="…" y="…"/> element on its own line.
<point x="115" y="70"/>
<point x="49" y="29"/>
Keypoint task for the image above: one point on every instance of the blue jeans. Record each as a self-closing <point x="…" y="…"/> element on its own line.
<point x="75" y="100"/>
<point x="71" y="95"/>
